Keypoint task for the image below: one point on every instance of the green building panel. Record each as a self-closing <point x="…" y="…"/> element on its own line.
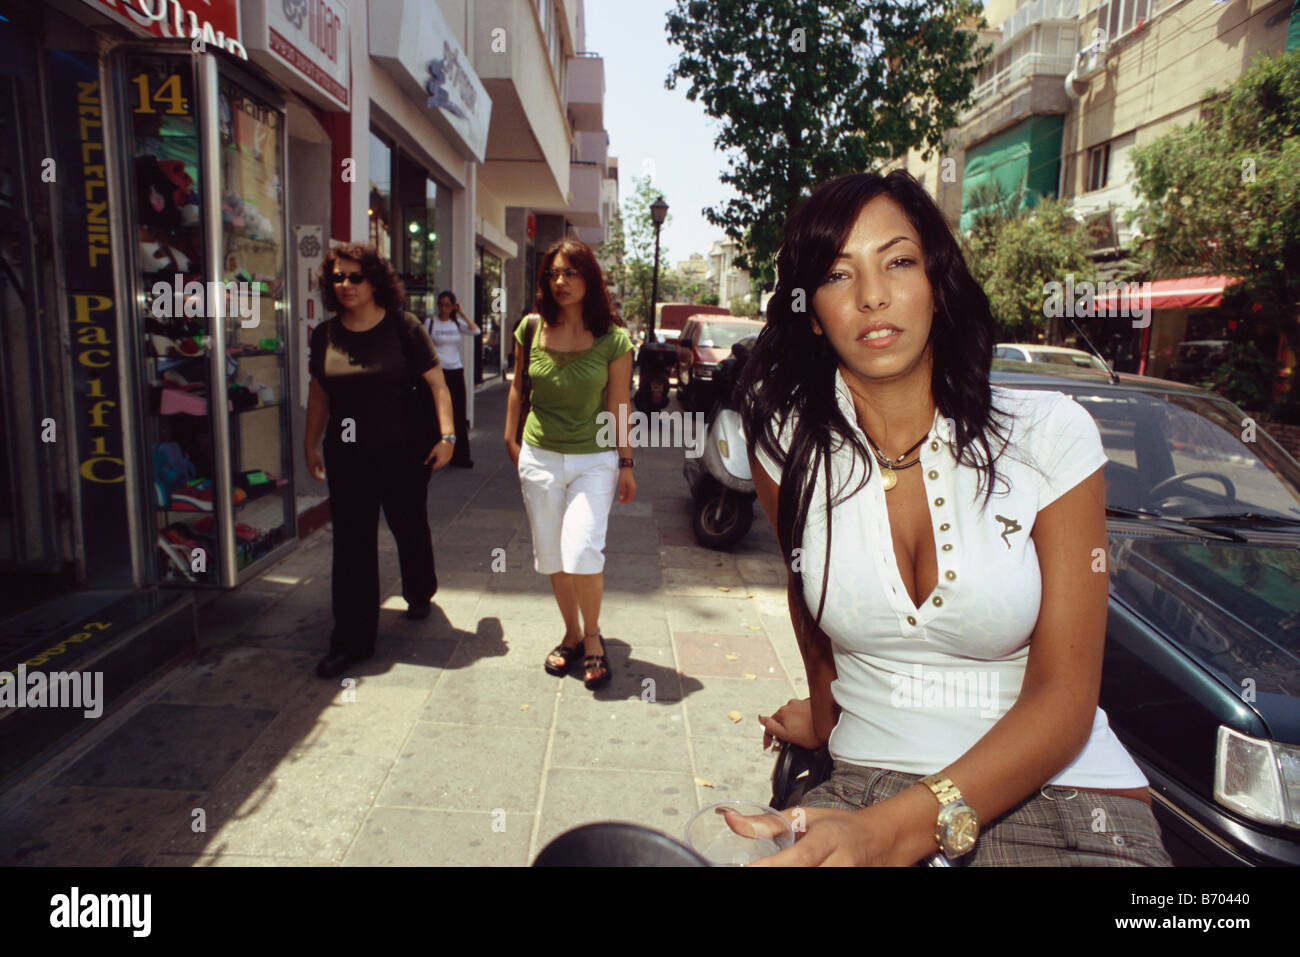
<point x="1024" y="161"/>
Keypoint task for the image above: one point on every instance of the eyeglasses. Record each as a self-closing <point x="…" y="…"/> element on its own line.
<point x="356" y="278"/>
<point x="553" y="274"/>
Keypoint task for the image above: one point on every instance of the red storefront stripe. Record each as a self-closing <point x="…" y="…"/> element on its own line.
<point x="306" y="67"/>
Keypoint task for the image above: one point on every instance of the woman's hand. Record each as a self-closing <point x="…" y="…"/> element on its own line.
<point x="626" y="486"/>
<point x="513" y="449"/>
<point x="440" y="454"/>
<point x="792" y="722"/>
<point x="828" y="837"/>
<point x="315" y="464"/>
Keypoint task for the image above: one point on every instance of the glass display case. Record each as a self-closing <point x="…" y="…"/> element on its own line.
<point x="206" y="153"/>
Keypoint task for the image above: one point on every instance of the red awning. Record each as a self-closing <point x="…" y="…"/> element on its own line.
<point x="1191" y="292"/>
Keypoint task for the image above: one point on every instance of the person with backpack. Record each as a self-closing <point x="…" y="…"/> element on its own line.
<point x="379" y="399"/>
<point x="446" y="330"/>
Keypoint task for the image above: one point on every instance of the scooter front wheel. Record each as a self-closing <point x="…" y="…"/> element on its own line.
<point x="721" y="519"/>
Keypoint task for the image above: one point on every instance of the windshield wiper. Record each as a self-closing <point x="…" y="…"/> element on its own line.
<point x="1243" y="518"/>
<point x="1172" y="522"/>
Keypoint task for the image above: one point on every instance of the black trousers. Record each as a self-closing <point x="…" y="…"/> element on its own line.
<point x="456" y="385"/>
<point x="361" y="482"/>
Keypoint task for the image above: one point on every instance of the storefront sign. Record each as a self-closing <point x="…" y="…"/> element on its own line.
<point x="78" y="122"/>
<point x="309" y="247"/>
<point x="413" y="43"/>
<point x="304" y="40"/>
<point x="215" y="22"/>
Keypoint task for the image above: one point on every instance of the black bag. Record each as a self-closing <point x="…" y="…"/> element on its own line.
<point x="526" y="404"/>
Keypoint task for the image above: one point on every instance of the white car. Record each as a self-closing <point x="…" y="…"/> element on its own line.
<point x="1056" y="355"/>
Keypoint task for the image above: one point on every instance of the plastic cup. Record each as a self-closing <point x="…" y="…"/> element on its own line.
<point x="710" y="835"/>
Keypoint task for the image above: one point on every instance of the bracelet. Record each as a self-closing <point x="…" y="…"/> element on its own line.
<point x="626" y="463"/>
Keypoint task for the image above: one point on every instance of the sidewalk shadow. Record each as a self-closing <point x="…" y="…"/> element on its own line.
<point x="632" y="678"/>
<point x="436" y="644"/>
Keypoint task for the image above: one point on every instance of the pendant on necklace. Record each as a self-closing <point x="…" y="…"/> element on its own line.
<point x="888" y="477"/>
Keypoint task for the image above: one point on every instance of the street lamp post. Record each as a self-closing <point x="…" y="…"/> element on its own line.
<point x="658" y="213"/>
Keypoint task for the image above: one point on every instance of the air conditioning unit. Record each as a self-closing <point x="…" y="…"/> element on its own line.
<point x="1090" y="60"/>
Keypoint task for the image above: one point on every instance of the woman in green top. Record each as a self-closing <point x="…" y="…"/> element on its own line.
<point x="580" y="365"/>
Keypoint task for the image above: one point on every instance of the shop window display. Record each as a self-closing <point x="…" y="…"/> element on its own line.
<point x="180" y="304"/>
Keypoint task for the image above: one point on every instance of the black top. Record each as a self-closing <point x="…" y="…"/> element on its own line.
<point x="369" y="377"/>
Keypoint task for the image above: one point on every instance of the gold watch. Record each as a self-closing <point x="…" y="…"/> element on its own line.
<point x="958" y="825"/>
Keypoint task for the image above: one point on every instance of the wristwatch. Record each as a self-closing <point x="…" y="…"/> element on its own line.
<point x="450" y="439"/>
<point x="626" y="463"/>
<point x="958" y="825"/>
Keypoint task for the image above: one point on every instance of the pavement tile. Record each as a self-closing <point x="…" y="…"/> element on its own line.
<point x="704" y="655"/>
<point x="467" y="768"/>
<point x="675" y="535"/>
<point x="278" y="806"/>
<point x="661" y="800"/>
<point x="704" y="582"/>
<point x="629" y="733"/>
<point x="92" y="827"/>
<point x="737" y="772"/>
<point x="763" y="570"/>
<point x="712" y="612"/>
<point x="495" y="697"/>
<point x="233" y="860"/>
<point x="170" y="746"/>
<point x="510" y="517"/>
<point x="707" y="710"/>
<point x="693" y="557"/>
<point x="420" y="837"/>
<point x="323" y="718"/>
<point x="239" y="676"/>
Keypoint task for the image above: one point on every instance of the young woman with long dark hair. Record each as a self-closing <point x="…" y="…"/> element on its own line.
<point x="942" y="533"/>
<point x="366" y="365"/>
<point x="579" y="363"/>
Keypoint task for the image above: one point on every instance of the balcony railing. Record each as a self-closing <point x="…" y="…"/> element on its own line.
<point x="1037" y="12"/>
<point x="1031" y="64"/>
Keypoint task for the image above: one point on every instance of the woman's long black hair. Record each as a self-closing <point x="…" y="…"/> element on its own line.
<point x="792" y="369"/>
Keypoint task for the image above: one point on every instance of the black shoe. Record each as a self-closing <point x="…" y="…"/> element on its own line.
<point x="337" y="662"/>
<point x="418" y="612"/>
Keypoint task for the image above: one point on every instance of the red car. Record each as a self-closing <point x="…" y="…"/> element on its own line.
<point x="705" y="341"/>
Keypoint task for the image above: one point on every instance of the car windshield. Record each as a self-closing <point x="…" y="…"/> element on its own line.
<point x="722" y="335"/>
<point x="1075" y="360"/>
<point x="1186" y="455"/>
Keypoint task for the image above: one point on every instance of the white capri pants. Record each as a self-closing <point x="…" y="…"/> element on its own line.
<point x="568" y="498"/>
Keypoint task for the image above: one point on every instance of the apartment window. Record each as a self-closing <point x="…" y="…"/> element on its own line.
<point x="1098" y="167"/>
<point x="1119" y="17"/>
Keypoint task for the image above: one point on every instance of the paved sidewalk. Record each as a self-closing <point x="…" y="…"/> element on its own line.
<point x="452" y="745"/>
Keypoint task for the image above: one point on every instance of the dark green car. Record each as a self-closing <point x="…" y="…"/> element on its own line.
<point x="1201" y="680"/>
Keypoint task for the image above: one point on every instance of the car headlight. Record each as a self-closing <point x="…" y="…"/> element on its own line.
<point x="704" y="372"/>
<point x="1258" y="778"/>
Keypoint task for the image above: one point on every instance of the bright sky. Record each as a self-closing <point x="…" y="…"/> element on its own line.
<point x="655" y="129"/>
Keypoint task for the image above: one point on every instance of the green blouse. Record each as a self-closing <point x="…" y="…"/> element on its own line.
<point x="569" y="391"/>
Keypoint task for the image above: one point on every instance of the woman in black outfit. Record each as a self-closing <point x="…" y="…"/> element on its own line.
<point x="366" y="365"/>
<point x="447" y="329"/>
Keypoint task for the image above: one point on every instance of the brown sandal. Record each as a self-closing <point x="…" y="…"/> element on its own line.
<point x="597" y="665"/>
<point x="564" y="653"/>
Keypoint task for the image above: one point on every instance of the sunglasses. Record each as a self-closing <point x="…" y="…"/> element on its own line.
<point x="565" y="273"/>
<point x="356" y="278"/>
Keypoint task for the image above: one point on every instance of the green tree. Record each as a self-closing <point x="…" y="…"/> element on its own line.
<point x="810" y="89"/>
<point x="639" y="261"/>
<point x="1014" y="252"/>
<point x="1221" y="196"/>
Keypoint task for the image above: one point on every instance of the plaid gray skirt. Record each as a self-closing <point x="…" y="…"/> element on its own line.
<point x="1056" y="827"/>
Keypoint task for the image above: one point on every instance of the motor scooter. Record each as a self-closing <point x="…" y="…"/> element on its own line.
<point x="722" y="489"/>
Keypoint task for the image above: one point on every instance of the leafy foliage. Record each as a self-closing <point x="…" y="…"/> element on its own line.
<point x="811" y="90"/>
<point x="1014" y="252"/>
<point x="1221" y="196"/>
<point x="639" y="261"/>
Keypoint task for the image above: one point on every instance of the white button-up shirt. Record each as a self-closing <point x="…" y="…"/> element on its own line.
<point x="918" y="686"/>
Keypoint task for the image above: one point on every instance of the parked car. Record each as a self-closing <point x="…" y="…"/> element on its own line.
<point x="1196" y="359"/>
<point x="705" y="341"/>
<point x="1201" y="678"/>
<point x="1056" y="355"/>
